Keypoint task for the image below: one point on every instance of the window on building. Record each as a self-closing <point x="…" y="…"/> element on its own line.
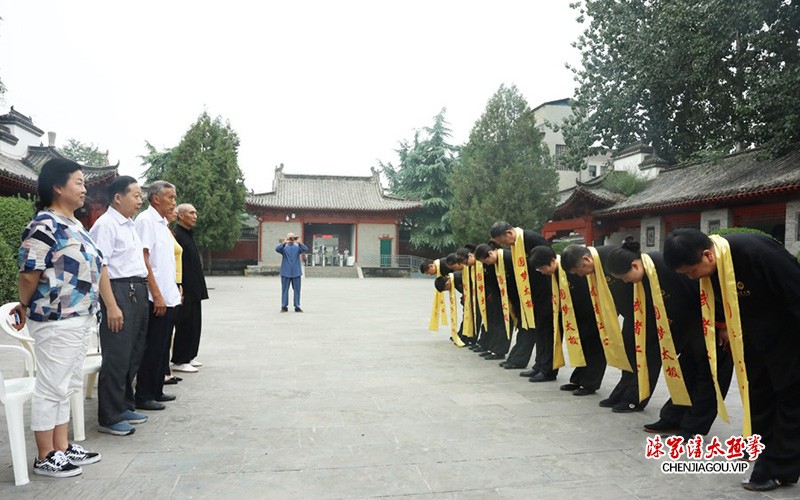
<point x="714" y="225"/>
<point x="650" y="236"/>
<point x="561" y="150"/>
<point x="592" y="170"/>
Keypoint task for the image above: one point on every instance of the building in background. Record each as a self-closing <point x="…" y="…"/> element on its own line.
<point x="345" y="220"/>
<point x="22" y="154"/>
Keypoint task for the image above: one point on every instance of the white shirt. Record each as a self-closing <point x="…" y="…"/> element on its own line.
<point x="115" y="235"/>
<point x="157" y="239"/>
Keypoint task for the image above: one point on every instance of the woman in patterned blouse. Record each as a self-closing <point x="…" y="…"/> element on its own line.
<point x="60" y="274"/>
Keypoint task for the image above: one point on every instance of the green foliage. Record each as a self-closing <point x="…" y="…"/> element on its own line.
<point x="423" y="173"/>
<point x="505" y="171"/>
<point x="205" y="170"/>
<point x="625" y="183"/>
<point x="736" y="230"/>
<point x="15" y="213"/>
<point x="157" y="163"/>
<point x="692" y="78"/>
<point x="559" y="246"/>
<point x="85" y="154"/>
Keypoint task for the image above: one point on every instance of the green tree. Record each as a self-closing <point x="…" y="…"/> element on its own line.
<point x="423" y="174"/>
<point x="505" y="171"/>
<point x="85" y="154"/>
<point x="694" y="78"/>
<point x="157" y="163"/>
<point x="205" y="169"/>
<point x="15" y="213"/>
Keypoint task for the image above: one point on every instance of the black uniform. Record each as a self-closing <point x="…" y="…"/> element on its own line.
<point x="681" y="296"/>
<point x="542" y="335"/>
<point x="591" y="375"/>
<point x="768" y="283"/>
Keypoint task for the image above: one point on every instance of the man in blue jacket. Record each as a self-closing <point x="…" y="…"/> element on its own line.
<point x="291" y="270"/>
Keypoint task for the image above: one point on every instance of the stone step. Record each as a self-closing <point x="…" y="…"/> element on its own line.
<point x="331" y="272"/>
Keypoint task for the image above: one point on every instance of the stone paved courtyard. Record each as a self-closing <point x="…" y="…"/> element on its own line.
<point x="354" y="399"/>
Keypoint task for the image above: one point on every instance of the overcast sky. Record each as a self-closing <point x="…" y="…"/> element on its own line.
<point x="325" y="87"/>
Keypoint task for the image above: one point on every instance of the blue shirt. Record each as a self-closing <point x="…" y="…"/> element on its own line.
<point x="70" y="263"/>
<point x="290" y="264"/>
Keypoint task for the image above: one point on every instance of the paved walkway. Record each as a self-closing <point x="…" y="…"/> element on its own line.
<point x="355" y="399"/>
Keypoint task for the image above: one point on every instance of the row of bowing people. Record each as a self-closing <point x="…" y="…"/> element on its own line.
<point x="703" y="309"/>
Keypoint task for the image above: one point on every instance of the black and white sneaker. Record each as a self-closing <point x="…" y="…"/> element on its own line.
<point x="55" y="464"/>
<point x="77" y="455"/>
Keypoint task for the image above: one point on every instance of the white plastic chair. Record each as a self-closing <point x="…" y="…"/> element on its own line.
<point x="13" y="394"/>
<point x="91" y="365"/>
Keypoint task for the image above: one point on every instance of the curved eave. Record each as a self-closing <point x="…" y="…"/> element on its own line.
<point x="720" y="198"/>
<point x="566" y="209"/>
<point x="263" y="209"/>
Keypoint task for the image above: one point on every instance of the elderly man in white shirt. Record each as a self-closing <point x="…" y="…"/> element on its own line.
<point x="164" y="295"/>
<point x="125" y="315"/>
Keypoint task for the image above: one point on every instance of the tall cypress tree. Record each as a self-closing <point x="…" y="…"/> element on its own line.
<point x="505" y="171"/>
<point x="205" y="171"/>
<point x="423" y="174"/>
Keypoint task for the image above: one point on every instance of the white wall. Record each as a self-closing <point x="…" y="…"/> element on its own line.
<point x="658" y="229"/>
<point x="369" y="244"/>
<point x="723" y="215"/>
<point x="26" y="138"/>
<point x="273" y="233"/>
<point x="792" y="242"/>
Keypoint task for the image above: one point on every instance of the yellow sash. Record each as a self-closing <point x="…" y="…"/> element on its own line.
<point x="607" y="318"/>
<point x="469" y="316"/>
<point x="562" y="301"/>
<point x="438" y="312"/>
<point x="454" y="313"/>
<point x="500" y="270"/>
<point x="481" y="295"/>
<point x="521" y="276"/>
<point x="669" y="357"/>
<point x="733" y="321"/>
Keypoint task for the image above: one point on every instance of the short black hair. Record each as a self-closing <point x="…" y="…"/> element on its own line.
<point x="620" y="259"/>
<point x="572" y="255"/>
<point x="499" y="227"/>
<point x="441" y="283"/>
<point x="451" y="259"/>
<point x="482" y="250"/>
<point x="55" y="173"/>
<point x="120" y="185"/>
<point x="541" y="256"/>
<point x="684" y="247"/>
<point x="423" y="267"/>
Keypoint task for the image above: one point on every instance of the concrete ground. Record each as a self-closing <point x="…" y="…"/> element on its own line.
<point x="354" y="399"/>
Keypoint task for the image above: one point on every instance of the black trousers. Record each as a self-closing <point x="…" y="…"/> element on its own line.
<point x="627" y="389"/>
<point x="591" y="375"/>
<point x="122" y="352"/>
<point x="523" y="348"/>
<point x="187" y="332"/>
<point x="698" y="418"/>
<point x="543" y="339"/>
<point x="774" y="407"/>
<point x="150" y="377"/>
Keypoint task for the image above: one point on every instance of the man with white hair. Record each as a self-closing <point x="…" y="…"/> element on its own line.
<point x="291" y="269"/>
<point x="187" y="329"/>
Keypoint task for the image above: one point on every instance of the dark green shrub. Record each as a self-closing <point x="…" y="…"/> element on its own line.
<point x="15" y="213"/>
<point x="734" y="230"/>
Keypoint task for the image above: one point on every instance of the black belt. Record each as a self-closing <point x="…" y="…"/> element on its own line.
<point x="132" y="279"/>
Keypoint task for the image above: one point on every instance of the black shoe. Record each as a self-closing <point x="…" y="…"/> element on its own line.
<point x="284" y="309"/>
<point x="149" y="405"/>
<point x="569" y="387"/>
<point x="166" y="397"/>
<point x="623" y="407"/>
<point x="607" y="403"/>
<point x="583" y="391"/>
<point x="476" y="348"/>
<point x="492" y="356"/>
<point x="485" y="354"/>
<point x="513" y="366"/>
<point x="662" y="427"/>
<point x="298" y="310"/>
<point x="171" y="381"/>
<point x="541" y="377"/>
<point x="529" y="373"/>
<point x="768" y="485"/>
